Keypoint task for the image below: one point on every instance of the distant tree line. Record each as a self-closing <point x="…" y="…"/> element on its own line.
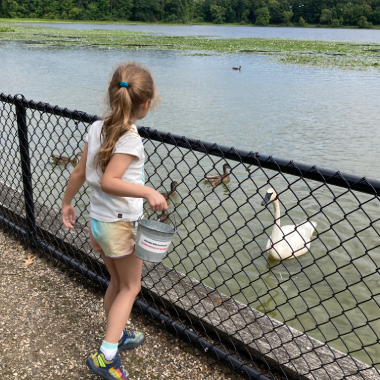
<point x="335" y="13"/>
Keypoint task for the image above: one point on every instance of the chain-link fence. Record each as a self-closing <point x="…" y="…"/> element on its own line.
<point x="296" y="300"/>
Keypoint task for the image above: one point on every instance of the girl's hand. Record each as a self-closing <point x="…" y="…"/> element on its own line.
<point x="77" y="179"/>
<point x="156" y="201"/>
<point x="68" y="215"/>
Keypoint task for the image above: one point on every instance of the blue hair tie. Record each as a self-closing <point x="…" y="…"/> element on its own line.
<point x="123" y="84"/>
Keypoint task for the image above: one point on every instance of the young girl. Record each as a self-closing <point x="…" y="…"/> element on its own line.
<point x="113" y="165"/>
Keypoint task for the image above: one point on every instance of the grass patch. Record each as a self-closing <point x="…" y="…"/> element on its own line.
<point x="327" y="54"/>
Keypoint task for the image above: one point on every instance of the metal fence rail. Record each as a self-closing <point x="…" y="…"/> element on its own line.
<point x="226" y="285"/>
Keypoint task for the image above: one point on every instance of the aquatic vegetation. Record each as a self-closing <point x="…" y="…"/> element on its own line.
<point x="349" y="62"/>
<point x="327" y="54"/>
<point x="6" y="29"/>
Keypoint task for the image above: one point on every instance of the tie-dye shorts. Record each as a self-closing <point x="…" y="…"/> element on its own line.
<point x="115" y="239"/>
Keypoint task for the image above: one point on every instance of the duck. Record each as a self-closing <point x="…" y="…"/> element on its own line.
<point x="288" y="241"/>
<point x="219" y="178"/>
<point x="164" y="217"/>
<point x="63" y="160"/>
<point x="236" y="68"/>
<point x="172" y="192"/>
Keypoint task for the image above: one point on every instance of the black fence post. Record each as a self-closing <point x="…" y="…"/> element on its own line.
<point x="25" y="167"/>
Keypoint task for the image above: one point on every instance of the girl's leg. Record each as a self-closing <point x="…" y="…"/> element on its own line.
<point x="106" y="361"/>
<point x="129" y="270"/>
<point x="114" y="285"/>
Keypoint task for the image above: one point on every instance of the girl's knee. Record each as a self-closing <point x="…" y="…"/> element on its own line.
<point x="131" y="287"/>
<point x="114" y="283"/>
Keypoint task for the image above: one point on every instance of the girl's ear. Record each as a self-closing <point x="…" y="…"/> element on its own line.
<point x="146" y="104"/>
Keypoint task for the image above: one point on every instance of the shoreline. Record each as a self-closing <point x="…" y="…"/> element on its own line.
<point x="159" y="23"/>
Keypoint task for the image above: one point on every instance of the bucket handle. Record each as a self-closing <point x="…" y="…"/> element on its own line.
<point x="168" y="215"/>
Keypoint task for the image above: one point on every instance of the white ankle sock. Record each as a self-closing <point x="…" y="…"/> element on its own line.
<point x="109" y="350"/>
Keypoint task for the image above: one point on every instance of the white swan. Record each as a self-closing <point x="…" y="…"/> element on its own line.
<point x="287" y="241"/>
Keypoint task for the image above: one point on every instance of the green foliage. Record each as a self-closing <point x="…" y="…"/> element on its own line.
<point x="174" y="10"/>
<point x="217" y="14"/>
<point x="274" y="8"/>
<point x="336" y="13"/>
<point x="262" y="16"/>
<point x="335" y="23"/>
<point x="144" y="10"/>
<point x="198" y="11"/>
<point x="376" y="15"/>
<point x="119" y="10"/>
<point x="363" y="23"/>
<point x="244" y="17"/>
<point x="326" y="16"/>
<point x="74" y="13"/>
<point x="286" y="17"/>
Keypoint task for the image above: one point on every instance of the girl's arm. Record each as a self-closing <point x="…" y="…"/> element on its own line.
<point x="76" y="181"/>
<point x="114" y="185"/>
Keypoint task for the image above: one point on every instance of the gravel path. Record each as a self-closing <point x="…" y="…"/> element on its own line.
<point x="50" y="323"/>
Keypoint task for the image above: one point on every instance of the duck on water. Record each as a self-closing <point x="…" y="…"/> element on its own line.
<point x="63" y="160"/>
<point x="219" y="178"/>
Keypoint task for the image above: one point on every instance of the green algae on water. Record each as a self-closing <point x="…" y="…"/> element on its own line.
<point x="5" y="29"/>
<point x="325" y="54"/>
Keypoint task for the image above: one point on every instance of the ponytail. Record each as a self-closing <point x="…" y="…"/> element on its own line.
<point x="131" y="85"/>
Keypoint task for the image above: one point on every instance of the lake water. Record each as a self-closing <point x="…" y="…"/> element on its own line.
<point x="234" y="31"/>
<point x="318" y="116"/>
<point x="324" y="117"/>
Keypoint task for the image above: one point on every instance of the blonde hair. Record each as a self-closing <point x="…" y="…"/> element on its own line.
<point x="124" y="104"/>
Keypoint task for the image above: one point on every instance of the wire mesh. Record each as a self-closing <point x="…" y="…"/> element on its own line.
<point x="275" y="262"/>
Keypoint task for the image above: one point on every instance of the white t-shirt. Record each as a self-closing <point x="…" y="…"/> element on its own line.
<point x="111" y="208"/>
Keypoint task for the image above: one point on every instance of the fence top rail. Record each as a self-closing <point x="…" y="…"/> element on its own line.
<point x="19" y="100"/>
<point x="328" y="176"/>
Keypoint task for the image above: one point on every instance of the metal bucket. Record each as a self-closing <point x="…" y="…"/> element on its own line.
<point x="153" y="239"/>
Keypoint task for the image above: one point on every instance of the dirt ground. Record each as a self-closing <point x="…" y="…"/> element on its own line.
<point x="50" y="323"/>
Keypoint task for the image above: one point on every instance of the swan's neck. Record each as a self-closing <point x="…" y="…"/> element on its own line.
<point x="276" y="233"/>
<point x="226" y="171"/>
